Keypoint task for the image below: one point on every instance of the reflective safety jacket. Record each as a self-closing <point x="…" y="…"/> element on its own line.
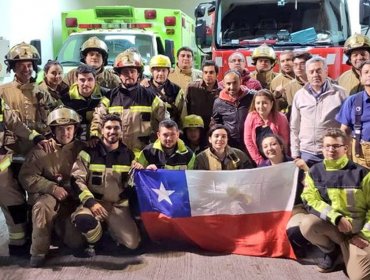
<point x="42" y="171"/>
<point x="99" y="174"/>
<point x="105" y="78"/>
<point x="339" y="188"/>
<point x="140" y="113"/>
<point x="84" y="106"/>
<point x="182" y="158"/>
<point x="32" y="106"/>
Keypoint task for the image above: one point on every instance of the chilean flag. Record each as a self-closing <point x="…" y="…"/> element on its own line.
<point x="243" y="211"/>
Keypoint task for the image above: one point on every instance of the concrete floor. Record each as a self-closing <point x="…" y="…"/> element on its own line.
<point x="158" y="262"/>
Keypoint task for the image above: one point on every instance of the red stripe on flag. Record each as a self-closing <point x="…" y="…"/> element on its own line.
<point x="261" y="234"/>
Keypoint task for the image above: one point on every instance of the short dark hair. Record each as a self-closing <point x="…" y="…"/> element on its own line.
<point x="168" y="123"/>
<point x="85" y="69"/>
<point x="336" y="133"/>
<point x="187" y="49"/>
<point x="210" y="63"/>
<point x="302" y="55"/>
<point x="50" y="63"/>
<point x="111" y="117"/>
<point x="366" y="62"/>
<point x="218" y="126"/>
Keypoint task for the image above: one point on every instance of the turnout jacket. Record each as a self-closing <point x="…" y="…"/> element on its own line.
<point x="98" y="174"/>
<point x="32" y="106"/>
<point x="41" y="171"/>
<point x="182" y="158"/>
<point x="339" y="188"/>
<point x="84" y="106"/>
<point x="140" y="113"/>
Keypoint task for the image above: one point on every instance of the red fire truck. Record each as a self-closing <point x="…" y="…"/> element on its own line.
<point x="318" y="26"/>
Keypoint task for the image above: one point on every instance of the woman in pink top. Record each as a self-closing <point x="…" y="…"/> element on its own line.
<point x="263" y="119"/>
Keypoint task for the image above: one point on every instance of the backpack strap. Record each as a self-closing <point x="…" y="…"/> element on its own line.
<point x="358" y="123"/>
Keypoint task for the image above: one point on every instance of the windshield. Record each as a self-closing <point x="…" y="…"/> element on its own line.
<point x="69" y="54"/>
<point x="285" y="22"/>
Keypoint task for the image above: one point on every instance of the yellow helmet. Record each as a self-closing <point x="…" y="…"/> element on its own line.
<point x="160" y="61"/>
<point x="264" y="51"/>
<point x="193" y="121"/>
<point x="356" y="41"/>
<point x="94" y="44"/>
<point x="63" y="116"/>
<point x="128" y="59"/>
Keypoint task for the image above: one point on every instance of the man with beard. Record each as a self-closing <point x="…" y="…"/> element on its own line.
<point x="83" y="96"/>
<point x="357" y="49"/>
<point x="167" y="152"/>
<point x="100" y="177"/>
<point x="46" y="176"/>
<point x="139" y="110"/>
<point x="94" y="52"/>
<point x="170" y="93"/>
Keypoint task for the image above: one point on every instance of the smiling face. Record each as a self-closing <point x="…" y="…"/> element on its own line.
<point x="218" y="139"/>
<point x="232" y="83"/>
<point x="111" y="132"/>
<point x="64" y="134"/>
<point x="168" y="136"/>
<point x="272" y="149"/>
<point x="263" y="106"/>
<point x="357" y="57"/>
<point x="23" y="70"/>
<point x="54" y="75"/>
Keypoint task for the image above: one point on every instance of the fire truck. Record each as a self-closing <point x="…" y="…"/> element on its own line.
<point x="150" y="31"/>
<point x="318" y="26"/>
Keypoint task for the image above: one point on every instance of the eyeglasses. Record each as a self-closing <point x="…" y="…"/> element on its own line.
<point x="335" y="147"/>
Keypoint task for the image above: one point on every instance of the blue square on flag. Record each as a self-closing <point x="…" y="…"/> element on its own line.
<point x="163" y="191"/>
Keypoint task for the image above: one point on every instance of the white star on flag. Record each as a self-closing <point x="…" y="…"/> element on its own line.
<point x="163" y="194"/>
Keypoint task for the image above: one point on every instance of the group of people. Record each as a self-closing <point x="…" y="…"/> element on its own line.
<point x="71" y="142"/>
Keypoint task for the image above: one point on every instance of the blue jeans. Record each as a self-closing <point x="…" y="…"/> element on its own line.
<point x="311" y="159"/>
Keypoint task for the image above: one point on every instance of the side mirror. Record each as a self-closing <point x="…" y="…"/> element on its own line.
<point x="201" y="34"/>
<point x="200" y="11"/>
<point x="37" y="44"/>
<point x="364" y="12"/>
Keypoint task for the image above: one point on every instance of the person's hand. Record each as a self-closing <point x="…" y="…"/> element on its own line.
<point x="145" y="82"/>
<point x="359" y="242"/>
<point x="344" y="225"/>
<point x="136" y="165"/>
<point x="301" y="164"/>
<point x="152" y="167"/>
<point x="99" y="211"/>
<point x="92" y="142"/>
<point x="46" y="145"/>
<point x="59" y="193"/>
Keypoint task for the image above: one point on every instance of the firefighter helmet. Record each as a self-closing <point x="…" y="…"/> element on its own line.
<point x="191" y="121"/>
<point x="356" y="41"/>
<point x="264" y="51"/>
<point x="63" y="116"/>
<point x="94" y="44"/>
<point x="160" y="61"/>
<point x="21" y="52"/>
<point x="128" y="59"/>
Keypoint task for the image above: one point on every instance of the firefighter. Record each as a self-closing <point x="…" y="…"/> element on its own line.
<point x="53" y="79"/>
<point x="12" y="197"/>
<point x="357" y="49"/>
<point x="83" y="96"/>
<point x="264" y="58"/>
<point x="194" y="134"/>
<point x="100" y="176"/>
<point x="354" y="119"/>
<point x="184" y="73"/>
<point x="94" y="52"/>
<point x="285" y="76"/>
<point x="46" y="178"/>
<point x="24" y="96"/>
<point x="170" y="93"/>
<point x="167" y="152"/>
<point x="140" y="111"/>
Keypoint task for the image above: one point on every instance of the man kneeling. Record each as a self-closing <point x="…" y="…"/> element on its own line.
<point x="100" y="176"/>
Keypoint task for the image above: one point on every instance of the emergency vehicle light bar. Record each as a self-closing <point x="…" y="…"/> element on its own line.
<point x="114" y="12"/>
<point x="90" y="26"/>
